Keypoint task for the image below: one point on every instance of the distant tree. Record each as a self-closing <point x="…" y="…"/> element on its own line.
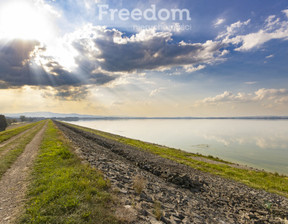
<point x="3" y="123"/>
<point x="11" y="121"/>
<point x="22" y="118"/>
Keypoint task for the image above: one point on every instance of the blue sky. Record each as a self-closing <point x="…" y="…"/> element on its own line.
<point x="224" y="58"/>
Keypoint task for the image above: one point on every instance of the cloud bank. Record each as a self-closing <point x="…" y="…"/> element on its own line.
<point x="261" y="95"/>
<point x="102" y="55"/>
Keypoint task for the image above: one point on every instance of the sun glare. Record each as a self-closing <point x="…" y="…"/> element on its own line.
<point x="21" y="20"/>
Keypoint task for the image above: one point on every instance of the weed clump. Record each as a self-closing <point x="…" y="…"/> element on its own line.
<point x="139" y="184"/>
<point x="157" y="210"/>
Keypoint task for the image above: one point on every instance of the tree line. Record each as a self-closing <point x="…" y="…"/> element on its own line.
<point x="5" y="122"/>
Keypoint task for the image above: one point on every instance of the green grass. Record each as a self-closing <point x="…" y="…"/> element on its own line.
<point x="10" y="157"/>
<point x="5" y="135"/>
<point x="64" y="190"/>
<point x="271" y="182"/>
<point x="6" y="147"/>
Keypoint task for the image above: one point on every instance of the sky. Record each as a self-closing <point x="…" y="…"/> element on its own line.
<point x="144" y="58"/>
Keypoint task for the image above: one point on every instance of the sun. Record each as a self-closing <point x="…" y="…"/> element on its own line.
<point x="23" y="20"/>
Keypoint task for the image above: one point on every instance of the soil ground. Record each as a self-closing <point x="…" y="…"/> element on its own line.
<point x="13" y="184"/>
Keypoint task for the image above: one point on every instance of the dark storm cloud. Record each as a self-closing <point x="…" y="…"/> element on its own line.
<point x="114" y="52"/>
<point x="102" y="56"/>
<point x="18" y="68"/>
<point x="13" y="62"/>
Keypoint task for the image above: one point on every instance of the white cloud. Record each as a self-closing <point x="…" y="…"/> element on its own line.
<point x="156" y="91"/>
<point x="219" y="22"/>
<point x="270" y="56"/>
<point x="232" y="29"/>
<point x="283" y="99"/>
<point x="191" y="68"/>
<point x="271" y="21"/>
<point x="273" y="28"/>
<point x="271" y="94"/>
<point x="224" y="52"/>
<point x="226" y="97"/>
<point x="149" y="34"/>
<point x="52" y="10"/>
<point x="285" y="11"/>
<point x="262" y="95"/>
<point x="250" y="83"/>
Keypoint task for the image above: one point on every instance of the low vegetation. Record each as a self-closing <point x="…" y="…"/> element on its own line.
<point x="64" y="190"/>
<point x="3" y="123"/>
<point x="10" y="157"/>
<point x="272" y="182"/>
<point x="157" y="210"/>
<point x="5" y="135"/>
<point x="139" y="184"/>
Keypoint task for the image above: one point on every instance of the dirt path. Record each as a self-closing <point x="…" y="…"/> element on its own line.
<point x="13" y="184"/>
<point x="14" y="138"/>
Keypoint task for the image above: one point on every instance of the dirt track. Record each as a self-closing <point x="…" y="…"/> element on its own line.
<point x="186" y="195"/>
<point x="13" y="184"/>
<point x="13" y="141"/>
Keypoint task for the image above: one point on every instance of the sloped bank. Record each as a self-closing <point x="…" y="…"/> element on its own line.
<point x="182" y="194"/>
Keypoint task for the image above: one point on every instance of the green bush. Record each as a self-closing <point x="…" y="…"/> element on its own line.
<point x="3" y="123"/>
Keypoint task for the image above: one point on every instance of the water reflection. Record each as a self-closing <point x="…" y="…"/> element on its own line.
<point x="274" y="142"/>
<point x="257" y="143"/>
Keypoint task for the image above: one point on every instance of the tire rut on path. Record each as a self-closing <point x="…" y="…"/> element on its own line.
<point x="13" y="184"/>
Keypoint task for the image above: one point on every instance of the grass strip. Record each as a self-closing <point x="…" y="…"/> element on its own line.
<point x="271" y="182"/>
<point x="10" y="145"/>
<point x="64" y="190"/>
<point x="5" y="135"/>
<point x="10" y="157"/>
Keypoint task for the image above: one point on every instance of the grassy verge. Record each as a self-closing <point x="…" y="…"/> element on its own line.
<point x="10" y="157"/>
<point x="64" y="190"/>
<point x="6" y="147"/>
<point x="271" y="182"/>
<point x="5" y="135"/>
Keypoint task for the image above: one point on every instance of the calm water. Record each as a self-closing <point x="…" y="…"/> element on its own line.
<point x="258" y="143"/>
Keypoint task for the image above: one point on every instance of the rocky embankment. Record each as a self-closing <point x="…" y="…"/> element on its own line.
<point x="152" y="189"/>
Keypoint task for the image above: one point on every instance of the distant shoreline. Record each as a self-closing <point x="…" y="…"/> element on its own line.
<point x="170" y="118"/>
<point x="60" y="116"/>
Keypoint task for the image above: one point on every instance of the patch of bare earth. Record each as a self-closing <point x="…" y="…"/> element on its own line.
<point x="13" y="184"/>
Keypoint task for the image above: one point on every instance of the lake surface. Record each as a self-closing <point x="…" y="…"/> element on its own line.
<point x="261" y="144"/>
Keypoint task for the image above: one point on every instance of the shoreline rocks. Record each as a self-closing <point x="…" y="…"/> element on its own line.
<point x="172" y="192"/>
